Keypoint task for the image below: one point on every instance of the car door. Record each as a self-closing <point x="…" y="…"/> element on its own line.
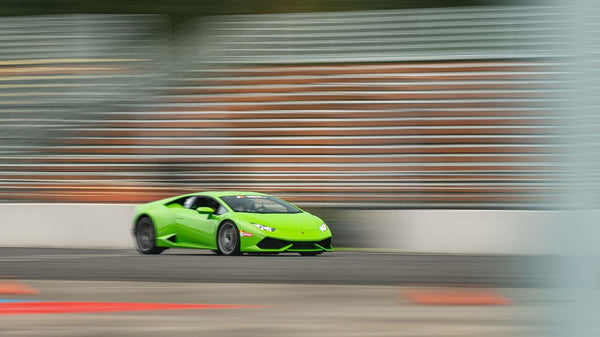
<point x="195" y="229"/>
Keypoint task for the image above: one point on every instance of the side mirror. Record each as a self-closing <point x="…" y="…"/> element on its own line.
<point x="205" y="210"/>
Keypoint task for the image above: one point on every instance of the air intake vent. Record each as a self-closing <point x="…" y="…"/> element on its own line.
<point x="325" y="243"/>
<point x="303" y="245"/>
<point x="269" y="243"/>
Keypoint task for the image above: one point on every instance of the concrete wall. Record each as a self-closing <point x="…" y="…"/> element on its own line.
<point x="458" y="231"/>
<point x="419" y="231"/>
<point x="66" y="225"/>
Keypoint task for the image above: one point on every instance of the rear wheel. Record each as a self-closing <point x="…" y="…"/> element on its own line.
<point x="145" y="237"/>
<point x="310" y="253"/>
<point x="228" y="239"/>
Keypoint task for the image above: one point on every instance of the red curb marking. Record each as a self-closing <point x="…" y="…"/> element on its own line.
<point x="17" y="288"/>
<point x="456" y="297"/>
<point x="88" y="307"/>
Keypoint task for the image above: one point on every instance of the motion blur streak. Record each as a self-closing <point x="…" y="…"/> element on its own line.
<point x="44" y="307"/>
<point x="423" y="108"/>
<point x="578" y="230"/>
<point x="487" y="110"/>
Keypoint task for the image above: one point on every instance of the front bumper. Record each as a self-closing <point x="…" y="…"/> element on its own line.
<point x="269" y="244"/>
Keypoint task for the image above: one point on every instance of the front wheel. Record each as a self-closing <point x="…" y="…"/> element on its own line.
<point x="145" y="237"/>
<point x="228" y="239"/>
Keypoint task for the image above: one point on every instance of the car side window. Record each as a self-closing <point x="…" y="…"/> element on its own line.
<point x="189" y="202"/>
<point x="199" y="202"/>
<point x="195" y="201"/>
<point x="221" y="210"/>
<point x="177" y="203"/>
<point x="202" y="201"/>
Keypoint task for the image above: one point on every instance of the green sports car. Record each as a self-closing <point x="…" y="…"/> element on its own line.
<point x="229" y="223"/>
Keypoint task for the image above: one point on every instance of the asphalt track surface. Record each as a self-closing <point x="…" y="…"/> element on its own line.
<point x="339" y="294"/>
<point x="272" y="310"/>
<point x="344" y="268"/>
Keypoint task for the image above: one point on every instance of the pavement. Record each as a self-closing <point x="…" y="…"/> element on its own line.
<point x="83" y="292"/>
<point x="352" y="268"/>
<point x="273" y="310"/>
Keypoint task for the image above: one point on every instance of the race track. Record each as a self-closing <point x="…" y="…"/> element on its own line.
<point x="115" y="293"/>
<point x="352" y="268"/>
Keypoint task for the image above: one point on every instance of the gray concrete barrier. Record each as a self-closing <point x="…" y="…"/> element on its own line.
<point x="414" y="231"/>
<point x="450" y="231"/>
<point x="66" y="225"/>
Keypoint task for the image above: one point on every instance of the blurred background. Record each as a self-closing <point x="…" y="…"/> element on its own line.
<point x="466" y="105"/>
<point x="448" y="127"/>
<point x="454" y="107"/>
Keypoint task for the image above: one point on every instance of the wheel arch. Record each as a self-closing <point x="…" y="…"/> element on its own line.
<point x="139" y="217"/>
<point x="236" y="251"/>
<point x="219" y="228"/>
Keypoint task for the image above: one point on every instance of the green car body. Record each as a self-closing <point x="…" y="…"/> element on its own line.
<point x="229" y="223"/>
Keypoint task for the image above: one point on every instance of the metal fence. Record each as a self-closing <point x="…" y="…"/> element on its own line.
<point x="432" y="108"/>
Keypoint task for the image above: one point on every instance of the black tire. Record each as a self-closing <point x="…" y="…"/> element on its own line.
<point x="310" y="253"/>
<point x="228" y="239"/>
<point x="145" y="237"/>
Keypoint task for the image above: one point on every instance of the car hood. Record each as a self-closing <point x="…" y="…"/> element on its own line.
<point x="284" y="221"/>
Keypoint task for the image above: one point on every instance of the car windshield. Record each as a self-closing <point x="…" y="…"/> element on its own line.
<point x="258" y="204"/>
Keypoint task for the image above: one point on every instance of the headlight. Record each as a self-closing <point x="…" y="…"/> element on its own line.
<point x="323" y="227"/>
<point x="264" y="228"/>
